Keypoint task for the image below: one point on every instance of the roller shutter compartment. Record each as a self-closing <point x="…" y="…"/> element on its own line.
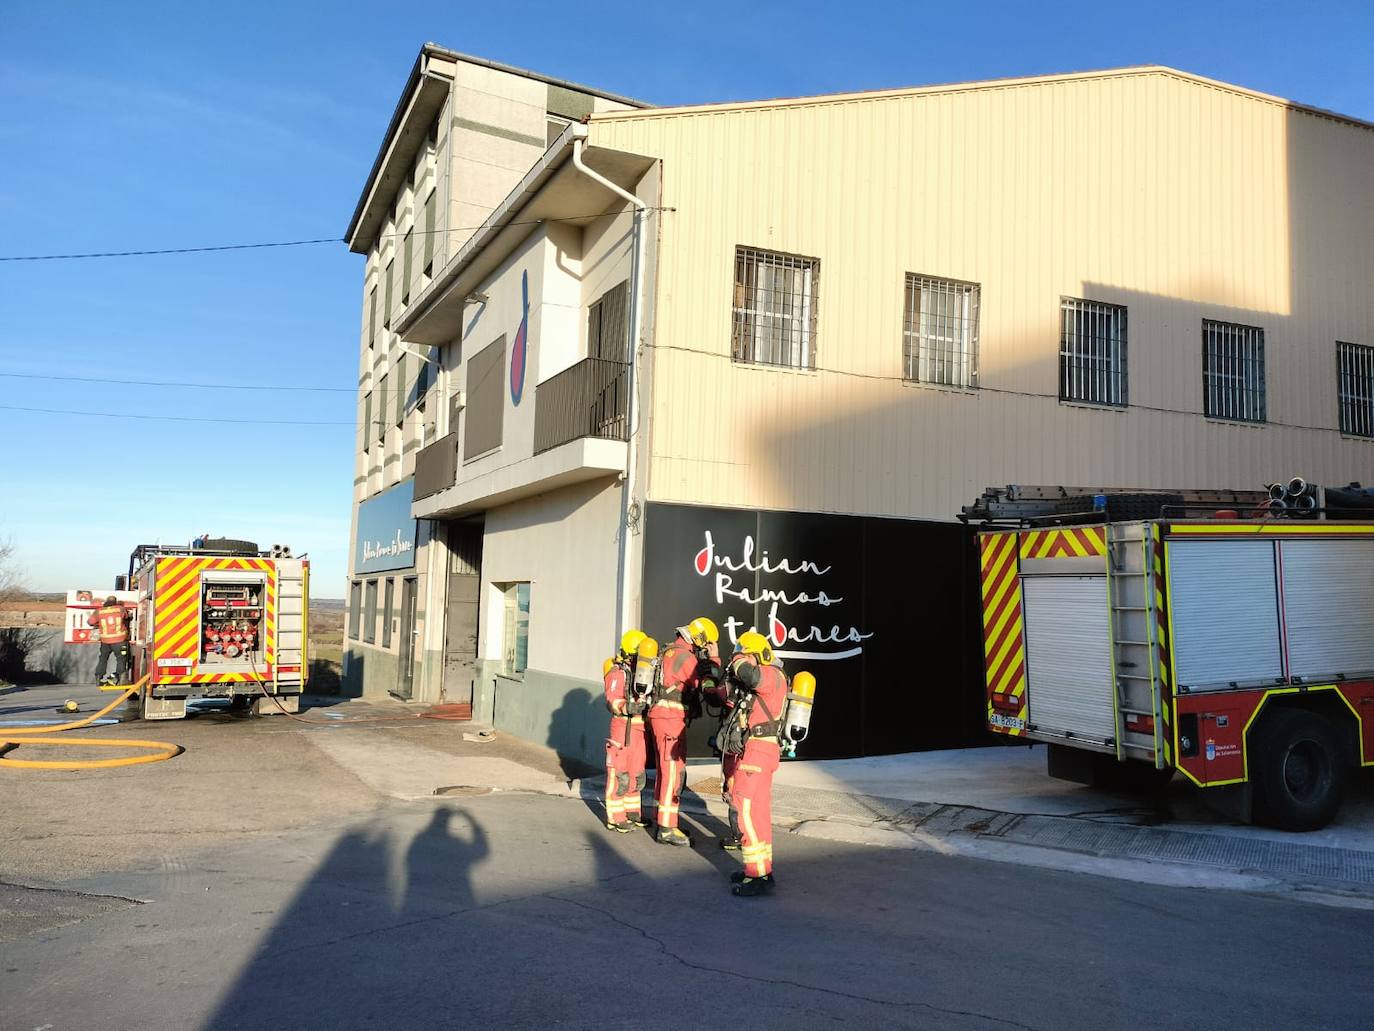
<point x="1069" y="656"/>
<point x="1224" y="612"/>
<point x="1328" y="604"/>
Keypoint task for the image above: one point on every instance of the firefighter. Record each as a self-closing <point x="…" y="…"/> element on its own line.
<point x="759" y="691"/>
<point x="625" y="740"/>
<point x="676" y="698"/>
<point x="113" y="622"/>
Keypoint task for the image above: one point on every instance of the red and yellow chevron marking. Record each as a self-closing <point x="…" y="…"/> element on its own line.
<point x="176" y="619"/>
<point x="1003" y="645"/>
<point x="1066" y="542"/>
<point x="269" y="635"/>
<point x="1166" y="701"/>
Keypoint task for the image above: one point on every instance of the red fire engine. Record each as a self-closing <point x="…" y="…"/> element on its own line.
<point x="217" y="619"/>
<point x="1236" y="649"/>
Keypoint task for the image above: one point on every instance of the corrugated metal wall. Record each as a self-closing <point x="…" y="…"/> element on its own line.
<point x="1180" y="199"/>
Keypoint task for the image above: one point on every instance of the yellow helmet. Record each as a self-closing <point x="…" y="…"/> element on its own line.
<point x="703" y="632"/>
<point x="752" y="642"/>
<point x="607" y="666"/>
<point x="629" y="643"/>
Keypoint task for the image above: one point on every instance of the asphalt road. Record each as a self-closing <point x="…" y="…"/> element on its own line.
<point x="519" y="910"/>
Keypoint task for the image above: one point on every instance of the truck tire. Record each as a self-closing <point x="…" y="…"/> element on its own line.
<point x="231" y="545"/>
<point x="1297" y="770"/>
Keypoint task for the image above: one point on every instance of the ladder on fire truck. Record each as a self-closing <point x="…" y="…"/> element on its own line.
<point x="1135" y="636"/>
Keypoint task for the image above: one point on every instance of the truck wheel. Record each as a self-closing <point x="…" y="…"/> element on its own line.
<point x="1296" y="769"/>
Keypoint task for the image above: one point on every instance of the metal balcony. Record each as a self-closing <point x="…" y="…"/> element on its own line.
<point x="436" y="466"/>
<point x="588" y="399"/>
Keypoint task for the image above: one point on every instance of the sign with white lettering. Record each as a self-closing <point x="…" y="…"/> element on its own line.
<point x="386" y="532"/>
<point x="882" y="611"/>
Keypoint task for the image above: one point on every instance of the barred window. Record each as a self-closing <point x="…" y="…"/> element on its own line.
<point x="1232" y="371"/>
<point x="1355" y="388"/>
<point x="775" y="308"/>
<point x="1092" y="352"/>
<point x="940" y="331"/>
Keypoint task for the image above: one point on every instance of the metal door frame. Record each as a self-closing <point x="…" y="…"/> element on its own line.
<point x="405" y="672"/>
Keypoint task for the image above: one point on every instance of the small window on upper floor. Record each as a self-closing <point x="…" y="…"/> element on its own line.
<point x="372" y="319"/>
<point x="1355" y="388"/>
<point x="1092" y="352"/>
<point x="774" y="317"/>
<point x="940" y="331"/>
<point x="407" y="252"/>
<point x="431" y="225"/>
<point x="386" y="298"/>
<point x="1232" y="371"/>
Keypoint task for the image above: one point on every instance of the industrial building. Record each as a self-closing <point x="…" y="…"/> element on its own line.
<point x="628" y="365"/>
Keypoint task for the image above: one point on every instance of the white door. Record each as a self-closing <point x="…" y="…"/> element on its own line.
<point x="1069" y="656"/>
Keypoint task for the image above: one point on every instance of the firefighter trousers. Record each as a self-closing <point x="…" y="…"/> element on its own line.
<point x="120" y="650"/>
<point x="752" y="796"/>
<point x="624" y="768"/>
<point x="669" y="727"/>
<point x="729" y="762"/>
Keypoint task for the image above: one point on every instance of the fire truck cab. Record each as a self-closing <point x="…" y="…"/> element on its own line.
<point x="1238" y="652"/>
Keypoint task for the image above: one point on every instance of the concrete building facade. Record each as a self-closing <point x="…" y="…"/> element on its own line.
<point x="849" y="315"/>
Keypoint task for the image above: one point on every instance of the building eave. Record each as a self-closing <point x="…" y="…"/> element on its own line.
<point x="980" y="85"/>
<point x="435" y="316"/>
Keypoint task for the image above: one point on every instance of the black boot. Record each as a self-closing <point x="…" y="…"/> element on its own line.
<point x="751" y="886"/>
<point x="731" y="843"/>
<point x="672" y="836"/>
<point x="739" y="877"/>
<point x="619" y="828"/>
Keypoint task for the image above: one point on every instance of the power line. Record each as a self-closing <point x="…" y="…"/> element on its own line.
<point x="1033" y="394"/>
<point x="291" y="243"/>
<point x="172" y="418"/>
<point x="169" y="383"/>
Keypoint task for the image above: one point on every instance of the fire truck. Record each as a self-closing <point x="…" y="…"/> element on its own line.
<point x="1225" y="636"/>
<point x="214" y="619"/>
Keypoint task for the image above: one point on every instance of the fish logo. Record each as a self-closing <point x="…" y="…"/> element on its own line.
<point x="520" y="348"/>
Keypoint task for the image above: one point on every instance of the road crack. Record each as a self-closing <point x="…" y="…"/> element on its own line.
<point x="786" y="982"/>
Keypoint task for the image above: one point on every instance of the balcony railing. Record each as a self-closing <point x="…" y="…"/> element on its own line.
<point x="436" y="466"/>
<point x="587" y="400"/>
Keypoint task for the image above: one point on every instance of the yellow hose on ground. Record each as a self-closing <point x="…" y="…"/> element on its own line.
<point x="159" y="750"/>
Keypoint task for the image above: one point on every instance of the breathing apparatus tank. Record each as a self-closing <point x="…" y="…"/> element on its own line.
<point x="646" y="660"/>
<point x="796" y="717"/>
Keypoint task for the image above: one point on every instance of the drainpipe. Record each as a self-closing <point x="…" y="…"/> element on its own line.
<point x="622" y="592"/>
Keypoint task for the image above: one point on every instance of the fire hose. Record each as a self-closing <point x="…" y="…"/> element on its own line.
<point x="157" y="751"/>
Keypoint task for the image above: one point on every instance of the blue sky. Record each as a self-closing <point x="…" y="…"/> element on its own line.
<point x="129" y="126"/>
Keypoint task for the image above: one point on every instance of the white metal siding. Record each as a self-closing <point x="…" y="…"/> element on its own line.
<point x="1217" y="202"/>
<point x="1225" y="611"/>
<point x="1328" y="599"/>
<point x="1069" y="656"/>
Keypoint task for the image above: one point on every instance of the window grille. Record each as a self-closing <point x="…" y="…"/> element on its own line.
<point x="1092" y="352"/>
<point x="774" y="308"/>
<point x="1355" y="387"/>
<point x="1233" y="371"/>
<point x="940" y="331"/>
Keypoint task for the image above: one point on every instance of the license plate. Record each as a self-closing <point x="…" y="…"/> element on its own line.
<point x="1006" y="722"/>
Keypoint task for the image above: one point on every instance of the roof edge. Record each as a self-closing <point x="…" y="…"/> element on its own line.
<point x="980" y="84"/>
<point x="417" y="70"/>
<point x="580" y="87"/>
